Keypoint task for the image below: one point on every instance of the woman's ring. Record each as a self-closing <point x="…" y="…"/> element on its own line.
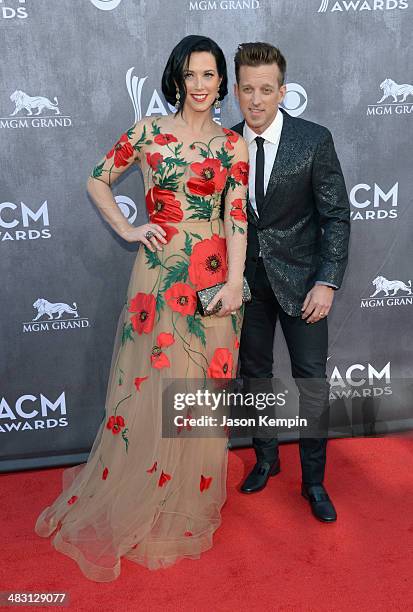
<point x="149" y="234"/>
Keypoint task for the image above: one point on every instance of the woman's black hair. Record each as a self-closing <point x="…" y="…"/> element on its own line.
<point x="173" y="75"/>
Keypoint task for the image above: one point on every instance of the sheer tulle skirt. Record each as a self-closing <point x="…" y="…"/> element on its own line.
<point x="149" y="499"/>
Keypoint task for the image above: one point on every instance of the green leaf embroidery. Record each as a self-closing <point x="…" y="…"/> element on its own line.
<point x="237" y="228"/>
<point x="155" y="128"/>
<point x="97" y="170"/>
<point x="152" y="258"/>
<point x="201" y="207"/>
<point x="160" y="302"/>
<point x="170" y="182"/>
<point x="204" y="153"/>
<point x="196" y="327"/>
<point x="127" y="332"/>
<point x="231" y="182"/>
<point x="234" y="323"/>
<point x="188" y="245"/>
<point x="138" y="145"/>
<point x="125" y="437"/>
<point x="121" y="373"/>
<point x="224" y="158"/>
<point x="197" y="236"/>
<point x="176" y="274"/>
<point x="174" y="161"/>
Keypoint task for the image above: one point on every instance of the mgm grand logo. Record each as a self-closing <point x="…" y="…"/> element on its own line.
<point x="55" y="316"/>
<point x="389" y="293"/>
<point x="34" y="111"/>
<point x="396" y="99"/>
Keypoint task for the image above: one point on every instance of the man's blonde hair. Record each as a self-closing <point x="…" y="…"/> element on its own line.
<point x="257" y="54"/>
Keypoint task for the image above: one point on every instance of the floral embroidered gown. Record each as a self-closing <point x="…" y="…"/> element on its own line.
<point x="150" y="499"/>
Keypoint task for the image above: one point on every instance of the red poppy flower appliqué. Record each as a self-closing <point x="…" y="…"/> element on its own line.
<point x="188" y="426"/>
<point x="105" y="473"/>
<point x="237" y="210"/>
<point x="211" y="177"/>
<point x="170" y="231"/>
<point x="181" y="298"/>
<point x="159" y="359"/>
<point x="144" y="307"/>
<point x="116" y="424"/>
<point x="153" y="468"/>
<point x="208" y="262"/>
<point x="163" y="479"/>
<point x="72" y="500"/>
<point x="138" y="381"/>
<point x="205" y="483"/>
<point x="231" y="137"/>
<point x="122" y="152"/>
<point x="240" y="172"/>
<point x="221" y="364"/>
<point x="163" y="206"/>
<point x="164" y="139"/>
<point x="154" y="160"/>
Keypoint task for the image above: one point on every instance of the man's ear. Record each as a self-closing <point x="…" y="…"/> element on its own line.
<point x="236" y="91"/>
<point x="283" y="91"/>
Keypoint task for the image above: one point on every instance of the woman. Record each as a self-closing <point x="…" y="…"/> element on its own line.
<point x="150" y="499"/>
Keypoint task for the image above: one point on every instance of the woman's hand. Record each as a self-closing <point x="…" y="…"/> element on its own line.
<point x="231" y="298"/>
<point x="137" y="234"/>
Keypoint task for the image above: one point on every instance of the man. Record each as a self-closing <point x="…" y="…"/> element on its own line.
<point x="298" y="232"/>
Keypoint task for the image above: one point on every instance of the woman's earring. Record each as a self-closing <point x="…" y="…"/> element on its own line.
<point x="217" y="103"/>
<point x="178" y="100"/>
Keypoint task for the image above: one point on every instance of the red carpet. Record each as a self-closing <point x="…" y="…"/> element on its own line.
<point x="269" y="553"/>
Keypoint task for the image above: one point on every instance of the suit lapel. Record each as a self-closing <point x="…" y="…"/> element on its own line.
<point x="286" y="149"/>
<point x="239" y="128"/>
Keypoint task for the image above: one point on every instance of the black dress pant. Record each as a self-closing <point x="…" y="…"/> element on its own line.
<point x="307" y="345"/>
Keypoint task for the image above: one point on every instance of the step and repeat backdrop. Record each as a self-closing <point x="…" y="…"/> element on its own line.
<point x="75" y="74"/>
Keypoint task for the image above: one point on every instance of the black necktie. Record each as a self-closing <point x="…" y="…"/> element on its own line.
<point x="259" y="173"/>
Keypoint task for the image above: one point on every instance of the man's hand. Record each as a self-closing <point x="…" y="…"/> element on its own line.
<point x="317" y="303"/>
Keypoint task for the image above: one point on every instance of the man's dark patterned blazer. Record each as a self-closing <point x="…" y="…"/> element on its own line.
<point x="304" y="227"/>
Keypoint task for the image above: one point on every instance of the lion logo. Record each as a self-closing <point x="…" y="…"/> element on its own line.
<point x="391" y="88"/>
<point x="382" y="284"/>
<point x="44" y="307"/>
<point x="30" y="103"/>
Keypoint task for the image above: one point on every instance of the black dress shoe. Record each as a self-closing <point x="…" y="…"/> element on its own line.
<point x="259" y="475"/>
<point x="321" y="505"/>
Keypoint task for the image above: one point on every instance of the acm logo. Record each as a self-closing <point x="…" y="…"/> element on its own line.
<point x="368" y="201"/>
<point x="347" y="6"/>
<point x="360" y="380"/>
<point x="29" y="413"/>
<point x="157" y="105"/>
<point x="13" y="12"/>
<point x="13" y="216"/>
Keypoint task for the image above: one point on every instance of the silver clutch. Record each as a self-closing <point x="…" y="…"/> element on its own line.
<point x="204" y="297"/>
